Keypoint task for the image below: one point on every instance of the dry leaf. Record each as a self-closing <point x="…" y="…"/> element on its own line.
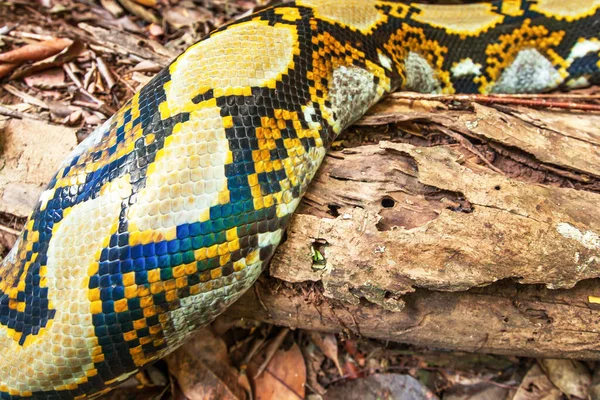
<point x="49" y="79"/>
<point x="284" y="378"/>
<point x="351" y="370"/>
<point x="203" y="369"/>
<point x="27" y="98"/>
<point x="481" y="391"/>
<point x="328" y="345"/>
<point x="314" y="358"/>
<point x="180" y="16"/>
<point x="67" y="54"/>
<point x="156" y="30"/>
<point x="6" y="69"/>
<point x="35" y="52"/>
<point x="139" y="11"/>
<point x="112" y="7"/>
<point x="570" y="376"/>
<point x="147" y="3"/>
<point x="381" y="386"/>
<point x="537" y="386"/>
<point x="146" y="66"/>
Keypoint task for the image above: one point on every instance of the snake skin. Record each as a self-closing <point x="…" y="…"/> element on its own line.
<point x="168" y="212"/>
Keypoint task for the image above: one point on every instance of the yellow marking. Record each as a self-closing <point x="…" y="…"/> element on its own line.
<point x="171" y="296"/>
<point x="94" y="294"/>
<point x="169" y="285"/>
<point x="227" y="59"/>
<point x="96" y="307"/>
<point x="146" y="302"/>
<point x="181" y="282"/>
<point x="288" y="13"/>
<point x="227" y="122"/>
<point x="224" y="259"/>
<point x="360" y="15"/>
<point x="239" y="265"/>
<point x="139" y="324"/>
<point x="594" y="299"/>
<point x="216" y="273"/>
<point x="466" y="20"/>
<point x="130" y="291"/>
<point x="129" y="279"/>
<point x="570" y="10"/>
<point x="154" y="275"/>
<point x="512" y="8"/>
<point x="121" y="305"/>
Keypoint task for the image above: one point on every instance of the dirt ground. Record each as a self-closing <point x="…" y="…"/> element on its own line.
<point x="66" y="66"/>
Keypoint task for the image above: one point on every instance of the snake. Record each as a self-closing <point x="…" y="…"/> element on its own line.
<point x="169" y="211"/>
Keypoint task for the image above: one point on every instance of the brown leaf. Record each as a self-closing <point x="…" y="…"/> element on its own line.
<point x="112" y="7"/>
<point x="180" y="16"/>
<point x="35" y="52"/>
<point x="146" y="66"/>
<point x="67" y="54"/>
<point x="6" y="69"/>
<point x="570" y="376"/>
<point x="139" y="11"/>
<point x="49" y="79"/>
<point x="328" y="345"/>
<point x="351" y="370"/>
<point x="203" y="369"/>
<point x="537" y="386"/>
<point x="314" y="358"/>
<point x="284" y="378"/>
<point x="147" y="3"/>
<point x="480" y="391"/>
<point x="381" y="386"/>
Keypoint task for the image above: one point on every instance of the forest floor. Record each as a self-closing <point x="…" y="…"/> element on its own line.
<point x="68" y="65"/>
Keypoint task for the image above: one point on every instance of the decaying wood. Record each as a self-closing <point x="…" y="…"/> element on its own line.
<point x="503" y="318"/>
<point x="400" y="223"/>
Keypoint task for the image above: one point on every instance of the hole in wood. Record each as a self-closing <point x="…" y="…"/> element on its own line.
<point x="333" y="210"/>
<point x="388" y="202"/>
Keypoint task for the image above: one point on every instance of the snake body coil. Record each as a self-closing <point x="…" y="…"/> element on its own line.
<point x="168" y="212"/>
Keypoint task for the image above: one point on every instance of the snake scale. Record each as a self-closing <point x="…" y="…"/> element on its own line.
<point x="168" y="212"/>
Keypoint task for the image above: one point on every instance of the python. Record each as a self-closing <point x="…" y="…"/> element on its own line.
<point x="168" y="212"/>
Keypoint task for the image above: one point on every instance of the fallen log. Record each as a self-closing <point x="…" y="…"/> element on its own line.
<point x="403" y="239"/>
<point x="503" y="318"/>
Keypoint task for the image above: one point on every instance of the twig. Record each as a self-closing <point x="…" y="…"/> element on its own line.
<point x="469" y="146"/>
<point x="446" y="97"/>
<point x="105" y="72"/>
<point x="271" y="349"/>
<point x="20" y="115"/>
<point x="72" y="76"/>
<point x="88" y="76"/>
<point x="533" y="101"/>
<point x="9" y="230"/>
<point x="27" y="98"/>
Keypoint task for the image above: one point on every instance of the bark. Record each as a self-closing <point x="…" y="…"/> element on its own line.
<point x="403" y="239"/>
